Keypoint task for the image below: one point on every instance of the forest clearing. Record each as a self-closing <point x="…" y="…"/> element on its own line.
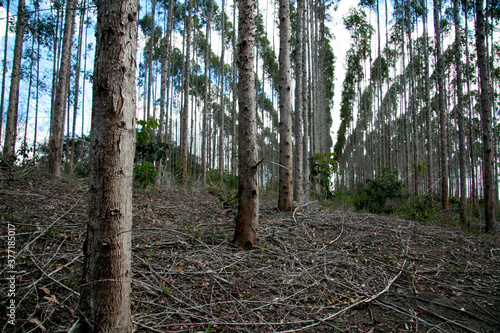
<point x="316" y="269"/>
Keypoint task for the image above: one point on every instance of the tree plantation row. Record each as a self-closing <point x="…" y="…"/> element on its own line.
<point x="419" y="94"/>
<point x="416" y="115"/>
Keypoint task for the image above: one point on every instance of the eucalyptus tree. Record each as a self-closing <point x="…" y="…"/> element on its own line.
<point x="165" y="56"/>
<point x="222" y="104"/>
<point x="105" y="295"/>
<point x="185" y="107"/>
<point x="490" y="197"/>
<point x="285" y="201"/>
<point x="460" y="114"/>
<point x="246" y="234"/>
<point x="12" y="110"/>
<point x="59" y="107"/>
<point x="440" y="93"/>
<point x="2" y="94"/>
<point x="361" y="33"/>
<point x="298" y="188"/>
<point x="77" y="82"/>
<point x="206" y="103"/>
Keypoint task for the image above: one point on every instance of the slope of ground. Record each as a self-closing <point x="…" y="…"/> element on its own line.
<point x="315" y="270"/>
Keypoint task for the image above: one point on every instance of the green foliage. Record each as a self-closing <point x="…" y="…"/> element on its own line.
<point x="379" y="194"/>
<point x="145" y="174"/>
<point x="423" y="208"/>
<point x="226" y="190"/>
<point x="149" y="150"/>
<point x="322" y="170"/>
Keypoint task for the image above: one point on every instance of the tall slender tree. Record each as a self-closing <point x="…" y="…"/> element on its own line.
<point x="59" y="107"/>
<point x="443" y="147"/>
<point x="206" y="96"/>
<point x="285" y="202"/>
<point x="185" y="108"/>
<point x="298" y="188"/>
<point x="460" y="115"/>
<point x="104" y="304"/>
<point x="246" y="233"/>
<point x="83" y="11"/>
<point x="490" y="196"/>
<point x="9" y="147"/>
<point x="2" y="94"/>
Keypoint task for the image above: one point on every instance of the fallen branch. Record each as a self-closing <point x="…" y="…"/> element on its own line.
<point x="338" y="313"/>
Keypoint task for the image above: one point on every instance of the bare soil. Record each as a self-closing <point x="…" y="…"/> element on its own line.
<point x="315" y="270"/>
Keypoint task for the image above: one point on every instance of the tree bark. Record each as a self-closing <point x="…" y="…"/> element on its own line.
<point x="245" y="235"/>
<point x="58" y="111"/>
<point x="441" y="109"/>
<point x="185" y="108"/>
<point x="285" y="202"/>
<point x="298" y="189"/>
<point x="9" y="147"/>
<point x="77" y="84"/>
<point x="206" y="98"/>
<point x="105" y="293"/>
<point x="7" y="9"/>
<point x="486" y="123"/>
<point x="460" y="114"/>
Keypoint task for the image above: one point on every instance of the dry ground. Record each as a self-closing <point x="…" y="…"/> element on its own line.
<point x="315" y="270"/>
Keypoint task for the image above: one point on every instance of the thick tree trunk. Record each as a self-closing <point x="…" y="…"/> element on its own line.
<point x="285" y="202"/>
<point x="9" y="147"/>
<point x="245" y="235"/>
<point x="58" y="110"/>
<point x="105" y="293"/>
<point x="486" y="122"/>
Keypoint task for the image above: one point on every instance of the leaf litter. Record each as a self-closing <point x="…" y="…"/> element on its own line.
<point x="316" y="269"/>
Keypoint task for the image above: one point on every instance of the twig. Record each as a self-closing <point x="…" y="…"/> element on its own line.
<point x="52" y="224"/>
<point x="338" y="313"/>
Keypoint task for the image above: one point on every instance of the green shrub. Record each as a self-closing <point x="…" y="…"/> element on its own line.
<point x="322" y="170"/>
<point x="380" y="195"/>
<point x="149" y="150"/>
<point x="145" y="174"/>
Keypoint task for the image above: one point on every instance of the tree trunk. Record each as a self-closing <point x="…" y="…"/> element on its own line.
<point x="298" y="189"/>
<point x="9" y="147"/>
<point x="58" y="111"/>
<point x="428" y="111"/>
<point x="4" y="65"/>
<point x="441" y="109"/>
<point x="222" y="112"/>
<point x="77" y="84"/>
<point x="185" y="108"/>
<point x="486" y="123"/>
<point x="206" y="98"/>
<point x="460" y="114"/>
<point x="285" y="202"/>
<point x="245" y="235"/>
<point x="105" y="294"/>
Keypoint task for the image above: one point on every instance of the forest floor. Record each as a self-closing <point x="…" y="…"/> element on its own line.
<point x="316" y="269"/>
